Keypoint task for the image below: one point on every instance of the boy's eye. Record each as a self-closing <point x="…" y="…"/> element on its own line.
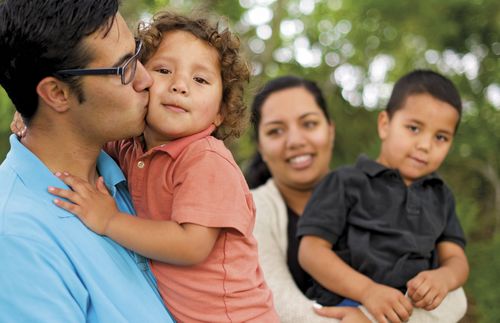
<point x="412" y="128"/>
<point x="200" y="80"/>
<point x="442" y="138"/>
<point x="163" y="71"/>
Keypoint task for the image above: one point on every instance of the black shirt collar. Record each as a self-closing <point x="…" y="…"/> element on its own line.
<point x="373" y="169"/>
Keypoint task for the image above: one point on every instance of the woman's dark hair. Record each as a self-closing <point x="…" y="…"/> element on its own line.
<point x="38" y="38"/>
<point x="424" y="82"/>
<point x="257" y="172"/>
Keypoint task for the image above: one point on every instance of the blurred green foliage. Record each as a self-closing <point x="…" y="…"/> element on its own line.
<point x="340" y="44"/>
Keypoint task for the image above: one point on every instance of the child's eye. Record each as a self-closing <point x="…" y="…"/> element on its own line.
<point x="163" y="71"/>
<point x="442" y="138"/>
<point x="412" y="128"/>
<point x="200" y="80"/>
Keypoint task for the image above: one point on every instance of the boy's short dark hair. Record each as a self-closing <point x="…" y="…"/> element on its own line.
<point x="424" y="82"/>
<point x="234" y="69"/>
<point x="38" y="38"/>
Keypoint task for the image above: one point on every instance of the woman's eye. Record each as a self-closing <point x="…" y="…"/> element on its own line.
<point x="201" y="80"/>
<point x="274" y="132"/>
<point x="310" y="124"/>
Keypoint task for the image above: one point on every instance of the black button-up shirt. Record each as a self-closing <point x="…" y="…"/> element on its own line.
<point x="379" y="226"/>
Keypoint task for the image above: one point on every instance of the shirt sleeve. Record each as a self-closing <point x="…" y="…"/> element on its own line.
<point x="325" y="214"/>
<point x="453" y="230"/>
<point x="36" y="285"/>
<point x="210" y="191"/>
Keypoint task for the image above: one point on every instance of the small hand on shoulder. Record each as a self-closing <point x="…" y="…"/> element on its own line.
<point x="94" y="206"/>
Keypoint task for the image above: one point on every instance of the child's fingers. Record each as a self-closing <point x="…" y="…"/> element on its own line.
<point x="70" y="207"/>
<point x="435" y="303"/>
<point x="101" y="186"/>
<point x="427" y="300"/>
<point x="74" y="182"/>
<point x="67" y="194"/>
<point x="420" y="293"/>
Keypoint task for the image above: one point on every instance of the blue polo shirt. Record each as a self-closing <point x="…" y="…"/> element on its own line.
<point x="52" y="268"/>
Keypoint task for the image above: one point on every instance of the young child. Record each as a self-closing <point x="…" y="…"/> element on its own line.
<point x="196" y="214"/>
<point x="383" y="228"/>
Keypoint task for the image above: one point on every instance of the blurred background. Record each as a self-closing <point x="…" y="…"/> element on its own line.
<point x="355" y="50"/>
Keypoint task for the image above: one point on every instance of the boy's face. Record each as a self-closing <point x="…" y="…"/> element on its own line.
<point x="418" y="137"/>
<point x="187" y="91"/>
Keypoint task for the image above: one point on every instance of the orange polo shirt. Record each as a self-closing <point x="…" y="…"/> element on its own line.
<point x="196" y="180"/>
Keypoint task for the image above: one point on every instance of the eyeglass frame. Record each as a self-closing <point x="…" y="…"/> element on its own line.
<point x="120" y="70"/>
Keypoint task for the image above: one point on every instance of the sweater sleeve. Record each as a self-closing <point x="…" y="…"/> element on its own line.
<point x="270" y="230"/>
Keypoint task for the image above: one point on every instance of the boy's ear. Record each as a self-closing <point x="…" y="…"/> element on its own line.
<point x="218" y="119"/>
<point x="383" y="124"/>
<point x="54" y="93"/>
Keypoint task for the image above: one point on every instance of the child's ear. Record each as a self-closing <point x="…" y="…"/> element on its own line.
<point x="218" y="119"/>
<point x="383" y="124"/>
<point x="54" y="93"/>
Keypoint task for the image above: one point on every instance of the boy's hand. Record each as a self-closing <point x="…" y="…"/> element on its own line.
<point x="428" y="289"/>
<point x="93" y="205"/>
<point x="386" y="304"/>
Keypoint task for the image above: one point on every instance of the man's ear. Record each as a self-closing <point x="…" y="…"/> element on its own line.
<point x="383" y="124"/>
<point x="54" y="93"/>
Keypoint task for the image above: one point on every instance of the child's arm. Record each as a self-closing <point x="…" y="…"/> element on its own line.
<point x="428" y="289"/>
<point x="385" y="303"/>
<point x="166" y="241"/>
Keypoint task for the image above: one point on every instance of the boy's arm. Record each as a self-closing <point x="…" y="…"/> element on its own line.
<point x="428" y="289"/>
<point x="386" y="304"/>
<point x="166" y="241"/>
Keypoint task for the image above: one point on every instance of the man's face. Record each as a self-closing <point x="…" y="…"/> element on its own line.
<point x="111" y="110"/>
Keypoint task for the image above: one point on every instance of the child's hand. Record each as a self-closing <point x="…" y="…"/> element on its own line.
<point x="428" y="289"/>
<point x="386" y="304"/>
<point x="17" y="125"/>
<point x="93" y="205"/>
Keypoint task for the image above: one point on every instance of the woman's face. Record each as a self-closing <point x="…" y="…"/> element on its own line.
<point x="295" y="138"/>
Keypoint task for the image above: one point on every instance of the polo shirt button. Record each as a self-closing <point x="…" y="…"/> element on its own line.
<point x="140" y="164"/>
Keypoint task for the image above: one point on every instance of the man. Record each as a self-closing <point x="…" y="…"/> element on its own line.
<point x="57" y="60"/>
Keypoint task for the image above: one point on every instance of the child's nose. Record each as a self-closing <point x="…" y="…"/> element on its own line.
<point x="424" y="142"/>
<point x="179" y="87"/>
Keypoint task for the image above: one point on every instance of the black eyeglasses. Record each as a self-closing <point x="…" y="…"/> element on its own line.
<point x="126" y="71"/>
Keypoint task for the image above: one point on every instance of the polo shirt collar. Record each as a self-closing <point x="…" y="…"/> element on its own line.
<point x="35" y="175"/>
<point x="175" y="147"/>
<point x="373" y="169"/>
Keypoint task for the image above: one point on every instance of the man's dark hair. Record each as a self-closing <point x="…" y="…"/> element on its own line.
<point x="38" y="38"/>
<point x="424" y="82"/>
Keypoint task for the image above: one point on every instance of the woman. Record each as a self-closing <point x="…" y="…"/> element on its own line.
<point x="295" y="137"/>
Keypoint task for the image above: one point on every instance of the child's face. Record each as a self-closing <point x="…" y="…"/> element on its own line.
<point x="418" y="137"/>
<point x="187" y="91"/>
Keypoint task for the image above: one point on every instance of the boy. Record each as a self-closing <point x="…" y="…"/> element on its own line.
<point x="196" y="213"/>
<point x="372" y="232"/>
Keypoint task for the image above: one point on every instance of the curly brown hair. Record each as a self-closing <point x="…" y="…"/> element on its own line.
<point x="234" y="68"/>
